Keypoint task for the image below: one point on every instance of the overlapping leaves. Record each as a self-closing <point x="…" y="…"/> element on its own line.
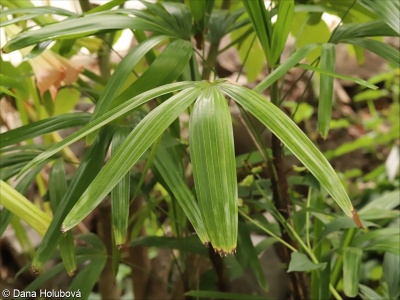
<point x="206" y="153"/>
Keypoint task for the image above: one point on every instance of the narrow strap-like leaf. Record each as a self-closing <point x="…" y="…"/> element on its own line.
<point x="42" y="127"/>
<point x="351" y="270"/>
<point x="77" y="27"/>
<point x="388" y="10"/>
<point x="326" y="89"/>
<point x="108" y="117"/>
<point x="390" y="53"/>
<point x="165" y="69"/>
<point x="281" y="29"/>
<point x="135" y="145"/>
<point x="176" y="183"/>
<point x="122" y="72"/>
<point x="260" y="18"/>
<point x="120" y="195"/>
<point x="284" y="67"/>
<point x="214" y="169"/>
<point x="91" y="163"/>
<point x="23" y="208"/>
<point x="291" y="135"/>
<point x="57" y="190"/>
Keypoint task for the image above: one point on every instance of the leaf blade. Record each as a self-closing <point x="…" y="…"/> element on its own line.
<point x="214" y="169"/>
<point x="288" y="132"/>
<point x="326" y="89"/>
<point x="138" y="141"/>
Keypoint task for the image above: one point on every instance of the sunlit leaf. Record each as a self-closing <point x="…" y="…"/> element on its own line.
<point x="23" y="208"/>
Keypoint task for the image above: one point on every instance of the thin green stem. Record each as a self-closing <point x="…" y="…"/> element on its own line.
<point x="308" y="217"/>
<point x="210" y="61"/>
<point x="268" y="231"/>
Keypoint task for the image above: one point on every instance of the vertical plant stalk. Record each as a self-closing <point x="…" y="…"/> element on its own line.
<point x="280" y="194"/>
<point x="107" y="283"/>
<point x="220" y="269"/>
<point x="209" y="64"/>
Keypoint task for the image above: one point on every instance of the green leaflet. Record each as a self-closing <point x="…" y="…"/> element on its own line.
<point x="41" y="127"/>
<point x="120" y="75"/>
<point x="214" y="168"/>
<point x="120" y="195"/>
<point x="351" y="270"/>
<point x="176" y="183"/>
<point x="135" y="145"/>
<point x="88" y="169"/>
<point x="165" y="69"/>
<point x="57" y="189"/>
<point x="76" y="27"/>
<point x="23" y="208"/>
<point x="108" y="117"/>
<point x="284" y="128"/>
<point x="328" y="56"/>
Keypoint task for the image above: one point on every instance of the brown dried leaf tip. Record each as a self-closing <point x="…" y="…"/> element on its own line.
<point x="35" y="271"/>
<point x="356" y="219"/>
<point x="120" y="246"/>
<point x="63" y="230"/>
<point x="223" y="253"/>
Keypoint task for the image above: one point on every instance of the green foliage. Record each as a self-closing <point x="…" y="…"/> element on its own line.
<point x="194" y="192"/>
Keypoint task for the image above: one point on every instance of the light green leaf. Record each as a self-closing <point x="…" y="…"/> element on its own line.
<point x="328" y="57"/>
<point x="361" y="30"/>
<point x="337" y="75"/>
<point x="299" y="262"/>
<point x="387" y="202"/>
<point x="214" y="169"/>
<point x="391" y="273"/>
<point x="367" y="293"/>
<point x="138" y="141"/>
<point x="77" y="27"/>
<point x="391" y="54"/>
<point x="23" y="208"/>
<point x="284" y="67"/>
<point x="310" y="29"/>
<point x="281" y="29"/>
<point x="287" y="131"/>
<point x="31" y="13"/>
<point x="351" y="270"/>
<point x="260" y="18"/>
<point x="5" y="91"/>
<point x="388" y="10"/>
<point x="120" y="195"/>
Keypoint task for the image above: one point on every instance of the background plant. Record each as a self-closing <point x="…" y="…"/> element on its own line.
<point x="147" y="179"/>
